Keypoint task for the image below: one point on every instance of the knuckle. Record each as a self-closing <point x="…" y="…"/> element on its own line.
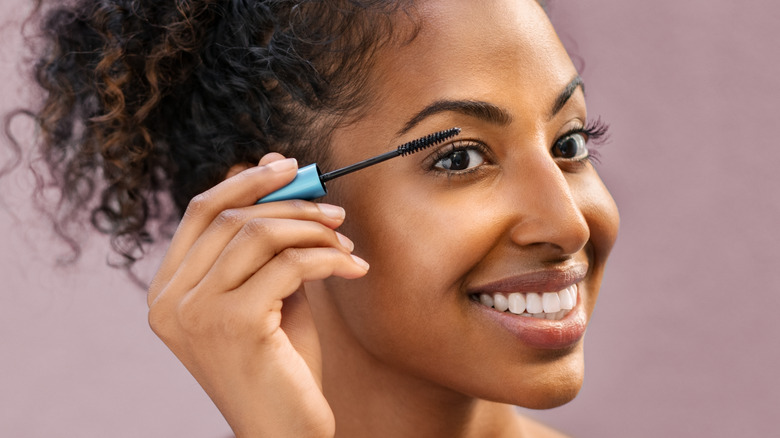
<point x="258" y="227"/>
<point x="299" y="204"/>
<point x="197" y="205"/>
<point x="160" y="322"/>
<point x="171" y="320"/>
<point x="291" y="256"/>
<point x="229" y="217"/>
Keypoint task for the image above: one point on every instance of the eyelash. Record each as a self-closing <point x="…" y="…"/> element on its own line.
<point x="595" y="133"/>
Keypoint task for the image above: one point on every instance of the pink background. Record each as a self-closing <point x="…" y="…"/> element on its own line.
<point x="684" y="341"/>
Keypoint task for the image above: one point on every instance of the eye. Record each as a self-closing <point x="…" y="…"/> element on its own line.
<point x="460" y="159"/>
<point x="571" y="146"/>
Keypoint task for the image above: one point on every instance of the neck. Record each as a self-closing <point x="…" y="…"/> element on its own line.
<point x="383" y="405"/>
<point x="372" y="398"/>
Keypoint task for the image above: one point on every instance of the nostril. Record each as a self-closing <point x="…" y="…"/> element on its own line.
<point x="561" y="238"/>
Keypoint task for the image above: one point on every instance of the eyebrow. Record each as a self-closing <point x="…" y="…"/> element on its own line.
<point x="486" y="111"/>
<point x="474" y="108"/>
<point x="566" y="94"/>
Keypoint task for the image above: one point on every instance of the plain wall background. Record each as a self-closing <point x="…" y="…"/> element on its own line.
<point x="684" y="340"/>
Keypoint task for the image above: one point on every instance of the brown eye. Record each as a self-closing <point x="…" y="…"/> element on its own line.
<point x="460" y="160"/>
<point x="571" y="147"/>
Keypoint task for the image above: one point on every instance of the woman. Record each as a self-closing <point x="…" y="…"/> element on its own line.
<point x="475" y="246"/>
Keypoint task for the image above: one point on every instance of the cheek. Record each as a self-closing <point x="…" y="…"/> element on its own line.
<point x="411" y="237"/>
<point x="419" y="253"/>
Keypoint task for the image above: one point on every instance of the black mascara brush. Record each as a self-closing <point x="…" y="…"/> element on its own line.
<point x="310" y="183"/>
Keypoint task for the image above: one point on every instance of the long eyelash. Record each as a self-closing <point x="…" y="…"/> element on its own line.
<point x="597" y="132"/>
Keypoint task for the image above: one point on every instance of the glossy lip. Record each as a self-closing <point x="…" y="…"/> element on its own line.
<point x="535" y="332"/>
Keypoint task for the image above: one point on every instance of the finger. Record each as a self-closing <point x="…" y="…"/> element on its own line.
<point x="258" y="241"/>
<point x="283" y="274"/>
<point x="270" y="158"/>
<point x="241" y="190"/>
<point x="244" y="189"/>
<point x="257" y="303"/>
<point x="204" y="253"/>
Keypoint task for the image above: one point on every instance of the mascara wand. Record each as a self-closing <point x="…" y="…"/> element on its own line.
<point x="310" y="182"/>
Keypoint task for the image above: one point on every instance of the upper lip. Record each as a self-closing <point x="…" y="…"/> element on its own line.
<point x="547" y="280"/>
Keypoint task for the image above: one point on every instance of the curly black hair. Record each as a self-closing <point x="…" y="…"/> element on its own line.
<point x="148" y="102"/>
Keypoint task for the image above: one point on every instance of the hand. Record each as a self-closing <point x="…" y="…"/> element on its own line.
<point x="228" y="301"/>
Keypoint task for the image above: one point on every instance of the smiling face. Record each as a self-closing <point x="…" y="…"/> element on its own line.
<point x="510" y="206"/>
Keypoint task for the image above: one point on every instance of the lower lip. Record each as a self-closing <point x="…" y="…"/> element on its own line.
<point x="542" y="333"/>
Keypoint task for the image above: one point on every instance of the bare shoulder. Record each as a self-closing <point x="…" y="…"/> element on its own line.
<point x="534" y="429"/>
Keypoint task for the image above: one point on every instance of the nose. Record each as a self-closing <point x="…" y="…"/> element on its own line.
<point x="546" y="209"/>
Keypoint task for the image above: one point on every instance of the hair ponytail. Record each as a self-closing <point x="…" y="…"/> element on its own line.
<point x="148" y="103"/>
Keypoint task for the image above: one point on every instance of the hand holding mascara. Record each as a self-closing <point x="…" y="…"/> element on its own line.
<point x="310" y="182"/>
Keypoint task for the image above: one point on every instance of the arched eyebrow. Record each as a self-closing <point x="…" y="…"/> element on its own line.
<point x="566" y="94"/>
<point x="475" y="108"/>
<point x="486" y="111"/>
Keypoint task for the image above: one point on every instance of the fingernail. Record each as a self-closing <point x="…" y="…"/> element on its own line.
<point x="332" y="211"/>
<point x="345" y="242"/>
<point x="360" y="261"/>
<point x="283" y="165"/>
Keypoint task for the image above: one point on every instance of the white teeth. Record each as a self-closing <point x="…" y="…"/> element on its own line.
<point x="533" y="303"/>
<point x="550" y="302"/>
<point x="543" y="305"/>
<point x="486" y="300"/>
<point x="568" y="299"/>
<point x="516" y="303"/>
<point x="500" y="303"/>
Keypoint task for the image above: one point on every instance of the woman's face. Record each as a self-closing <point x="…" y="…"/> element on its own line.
<point x="508" y="206"/>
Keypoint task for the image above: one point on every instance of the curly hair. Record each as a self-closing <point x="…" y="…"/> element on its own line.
<point x="148" y="103"/>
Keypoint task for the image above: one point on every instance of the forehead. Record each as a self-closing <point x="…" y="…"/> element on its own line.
<point x="497" y="51"/>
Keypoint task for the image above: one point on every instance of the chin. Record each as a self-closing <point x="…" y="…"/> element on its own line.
<point x="548" y="398"/>
<point x="544" y="385"/>
<point x="545" y="395"/>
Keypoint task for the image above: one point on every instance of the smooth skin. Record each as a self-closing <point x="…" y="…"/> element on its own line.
<point x="290" y="335"/>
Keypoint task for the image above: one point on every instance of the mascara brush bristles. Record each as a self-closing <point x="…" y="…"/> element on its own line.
<point x="427" y="141"/>
<point x="405" y="149"/>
